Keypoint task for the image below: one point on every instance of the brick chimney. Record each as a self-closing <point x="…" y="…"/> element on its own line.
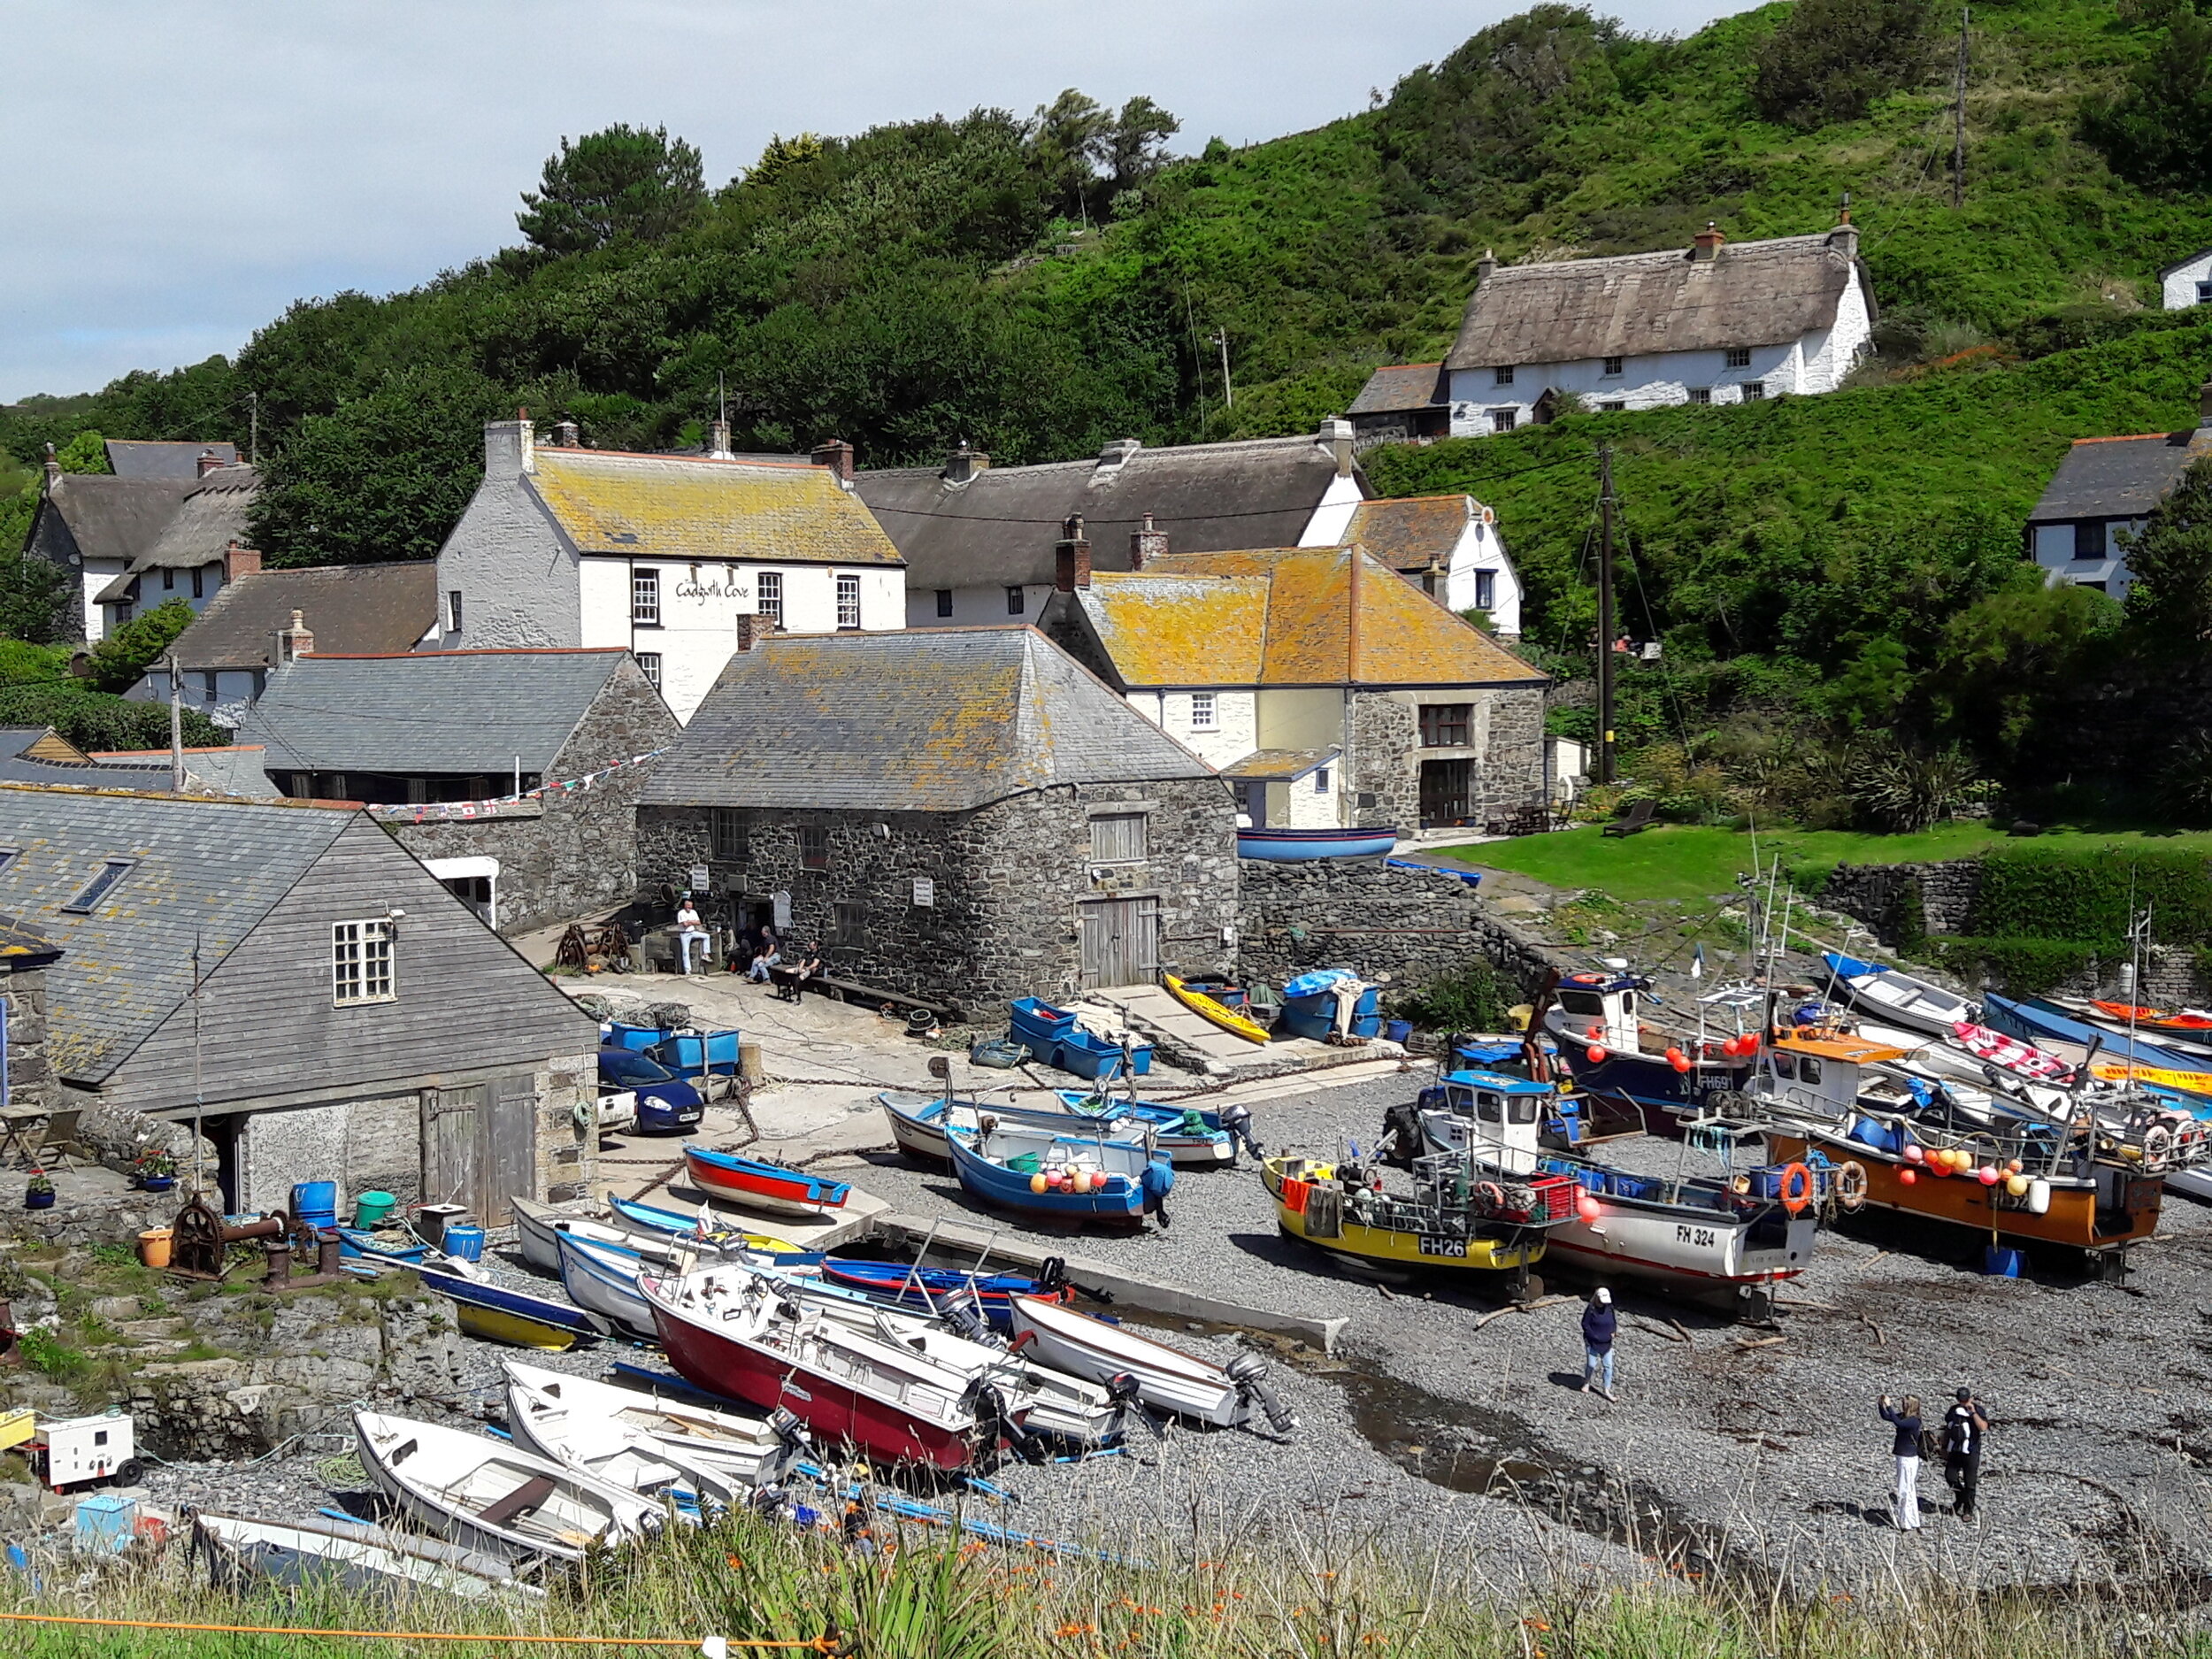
<point x="752" y="629"/>
<point x="1071" y="557"/>
<point x="1484" y="266"/>
<point x="568" y="435"/>
<point x="208" y="462"/>
<point x="963" y="463"/>
<point x="1844" y="237"/>
<point x="1146" y="544"/>
<point x="1336" y="436"/>
<point x="837" y="455"/>
<point x="53" y="471"/>
<point x="241" y="561"/>
<point x="294" y="643"/>
<point x="1705" y="246"/>
<point x="510" y="446"/>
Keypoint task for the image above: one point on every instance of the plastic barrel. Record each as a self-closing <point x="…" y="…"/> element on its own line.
<point x="1399" y="1030"/>
<point x="2001" y="1262"/>
<point x="373" y="1210"/>
<point x="465" y="1242"/>
<point x="316" y="1202"/>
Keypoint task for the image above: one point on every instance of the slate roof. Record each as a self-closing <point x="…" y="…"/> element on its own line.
<point x="2119" y="478"/>
<point x="132" y="457"/>
<point x="1413" y="533"/>
<point x="681" y="509"/>
<point x="999" y="527"/>
<point x="427" y="711"/>
<point x="20" y="946"/>
<point x="114" y="517"/>
<point x="233" y="769"/>
<point x="1278" y="765"/>
<point x="1397" y="387"/>
<point x="2178" y="263"/>
<point x="202" y="872"/>
<point x="1751" y="293"/>
<point x="1281" y="617"/>
<point x="349" y="608"/>
<point x="28" y="754"/>
<point x="933" y="720"/>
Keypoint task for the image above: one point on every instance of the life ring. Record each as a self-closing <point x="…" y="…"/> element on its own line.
<point x="1851" y="1186"/>
<point x="2158" y="1141"/>
<point x="1797" y="1188"/>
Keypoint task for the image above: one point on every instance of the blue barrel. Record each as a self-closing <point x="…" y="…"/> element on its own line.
<point x="316" y="1202"/>
<point x="465" y="1242"/>
<point x="2002" y="1261"/>
<point x="1399" y="1030"/>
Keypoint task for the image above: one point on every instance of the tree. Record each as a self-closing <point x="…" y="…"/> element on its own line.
<point x="1831" y="59"/>
<point x="2006" y="658"/>
<point x="2160" y="129"/>
<point x="1089" y="154"/>
<point x="1136" y="148"/>
<point x="30" y="597"/>
<point x="2170" y="605"/>
<point x="86" y="452"/>
<point x="624" y="184"/>
<point x="123" y="658"/>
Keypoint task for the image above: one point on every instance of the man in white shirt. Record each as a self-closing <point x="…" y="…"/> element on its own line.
<point x="689" y="928"/>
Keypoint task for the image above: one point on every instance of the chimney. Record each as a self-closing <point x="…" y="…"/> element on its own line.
<point x="837" y="455"/>
<point x="1114" y="453"/>
<point x="1484" y="266"/>
<point x="1705" y="246"/>
<point x="568" y="435"/>
<point x="719" y="441"/>
<point x="1844" y="237"/>
<point x="241" y="561"/>
<point x="1146" y="544"/>
<point x="208" y="462"/>
<point x="963" y="463"/>
<point x="1336" y="435"/>
<point x="53" y="470"/>
<point x="1072" y="557"/>
<point x="294" y="643"/>
<point x="751" y="629"/>
<point x="510" y="447"/>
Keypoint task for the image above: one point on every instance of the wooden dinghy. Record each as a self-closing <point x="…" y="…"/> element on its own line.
<point x="245" y="1554"/>
<point x="773" y="1187"/>
<point x="1166" y="1377"/>
<point x="644" y="1445"/>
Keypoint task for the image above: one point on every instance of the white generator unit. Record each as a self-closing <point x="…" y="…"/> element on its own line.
<point x="82" y="1449"/>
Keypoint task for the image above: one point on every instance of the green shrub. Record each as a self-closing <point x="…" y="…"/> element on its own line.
<point x="1831" y="59"/>
<point x="2020" y="966"/>
<point x="2032" y="892"/>
<point x="1474" y="999"/>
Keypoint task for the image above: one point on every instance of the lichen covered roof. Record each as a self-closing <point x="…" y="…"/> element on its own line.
<point x="1168" y="630"/>
<point x="682" y="507"/>
<point x="1278" y="765"/>
<point x="1399" y="388"/>
<point x="1413" y="534"/>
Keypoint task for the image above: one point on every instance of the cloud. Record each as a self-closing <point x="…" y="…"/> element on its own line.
<point x="184" y="172"/>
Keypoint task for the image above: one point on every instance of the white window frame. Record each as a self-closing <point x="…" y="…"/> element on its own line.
<point x="1486" y="590"/>
<point x="1205" y="711"/>
<point x="1701" y="395"/>
<point x="1612" y="367"/>
<point x="1754" y="391"/>
<point x="847" y="591"/>
<point x="364" y="963"/>
<point x="1739" y="356"/>
<point x="768" y="597"/>
<point x="645" y="598"/>
<point x="1503" y="375"/>
<point x="453" y="611"/>
<point x="650" y="665"/>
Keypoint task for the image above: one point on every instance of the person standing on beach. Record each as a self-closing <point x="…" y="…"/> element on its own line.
<point x="1599" y="1322"/>
<point x="1905" y="1447"/>
<point x="1964" y="1426"/>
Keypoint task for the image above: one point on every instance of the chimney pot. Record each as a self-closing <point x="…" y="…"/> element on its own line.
<point x="1072" y="557"/>
<point x="837" y="455"/>
<point x="1146" y="544"/>
<point x="568" y="435"/>
<point x="1706" y="244"/>
<point x="208" y="462"/>
<point x="963" y="463"/>
<point x="53" y="469"/>
<point x="294" y="643"/>
<point x="1485" y="265"/>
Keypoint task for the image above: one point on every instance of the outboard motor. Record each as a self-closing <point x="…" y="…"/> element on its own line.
<point x="1052" y="1277"/>
<point x="1401" y="1125"/>
<point x="994" y="1424"/>
<point x="1249" y="1371"/>
<point x="1121" y="1392"/>
<point x="964" y="1316"/>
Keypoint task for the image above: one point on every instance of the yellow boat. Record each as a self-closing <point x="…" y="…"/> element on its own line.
<point x="1366" y="1225"/>
<point x="496" y="1325"/>
<point x="1217" y="1013"/>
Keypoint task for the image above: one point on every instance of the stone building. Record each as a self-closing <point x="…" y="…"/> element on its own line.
<point x="286" y="975"/>
<point x="964" y="815"/>
<point x="26" y="956"/>
<point x="1325" y="685"/>
<point x="512" y="775"/>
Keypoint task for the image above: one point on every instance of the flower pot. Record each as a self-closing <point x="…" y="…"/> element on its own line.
<point x="39" y="1201"/>
<point x="156" y="1183"/>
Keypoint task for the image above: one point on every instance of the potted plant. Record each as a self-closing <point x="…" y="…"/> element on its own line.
<point x="38" y="1192"/>
<point x="156" y="1171"/>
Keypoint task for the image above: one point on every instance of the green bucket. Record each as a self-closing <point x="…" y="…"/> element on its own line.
<point x="373" y="1210"/>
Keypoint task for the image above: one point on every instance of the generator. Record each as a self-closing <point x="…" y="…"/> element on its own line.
<point x="74" y="1451"/>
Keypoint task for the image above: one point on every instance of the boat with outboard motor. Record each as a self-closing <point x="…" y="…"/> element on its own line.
<point x="1451" y="1223"/>
<point x="1190" y="1140"/>
<point x="1165" y="1377"/>
<point x="1618" y="1060"/>
<point x="1062" y="1171"/>
<point x="1895" y="998"/>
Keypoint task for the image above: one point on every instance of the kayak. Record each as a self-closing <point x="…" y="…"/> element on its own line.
<point x="1215" y="1013"/>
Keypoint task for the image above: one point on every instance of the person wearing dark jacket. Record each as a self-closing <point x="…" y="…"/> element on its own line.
<point x="1964" y="1426"/>
<point x="1905" y="1447"/>
<point x="1600" y="1321"/>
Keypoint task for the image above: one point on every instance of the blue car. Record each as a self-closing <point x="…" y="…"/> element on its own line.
<point x="665" y="1103"/>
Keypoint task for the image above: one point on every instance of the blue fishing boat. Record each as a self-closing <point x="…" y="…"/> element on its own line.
<point x="357" y="1246"/>
<point x="602" y="1278"/>
<point x="923" y="1289"/>
<point x="1191" y="1140"/>
<point x="500" y="1314"/>
<point x="2035" y="1022"/>
<point x="1053" y="1037"/>
<point x="684" y="1224"/>
<point x="1314" y="1006"/>
<point x="1297" y="846"/>
<point x="1048" y="1172"/>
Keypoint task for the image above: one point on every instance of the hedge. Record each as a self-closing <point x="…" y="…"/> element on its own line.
<point x="2023" y="967"/>
<point x="2066" y="893"/>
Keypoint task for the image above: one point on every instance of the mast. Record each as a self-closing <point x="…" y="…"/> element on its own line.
<point x="1605" y="615"/>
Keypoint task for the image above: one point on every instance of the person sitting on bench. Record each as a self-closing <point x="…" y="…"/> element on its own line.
<point x="764" y="964"/>
<point x="791" y="981"/>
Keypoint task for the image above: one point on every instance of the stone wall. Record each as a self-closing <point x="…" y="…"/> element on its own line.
<point x="579" y="855"/>
<point x="1505" y="742"/>
<point x="23" y="1003"/>
<point x="1881" y="896"/>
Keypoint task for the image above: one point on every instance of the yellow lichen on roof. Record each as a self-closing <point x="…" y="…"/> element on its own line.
<point x="1411" y="534"/>
<point x="1170" y="631"/>
<point x="677" y="508"/>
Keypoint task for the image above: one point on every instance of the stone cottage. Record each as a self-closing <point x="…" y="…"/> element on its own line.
<point x="26" y="956"/>
<point x="964" y="815"/>
<point x="284" y="975"/>
<point x="512" y="775"/>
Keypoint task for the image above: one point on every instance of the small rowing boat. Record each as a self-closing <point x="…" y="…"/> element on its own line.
<point x="602" y="1278"/>
<point x="644" y="1445"/>
<point x="1059" y="1172"/>
<point x="498" y="1313"/>
<point x="1899" y="999"/>
<point x="773" y="1187"/>
<point x="704" y="1225"/>
<point x="1166" y="1377"/>
<point x="245" y="1554"/>
<point x="1190" y="1140"/>
<point x="1214" y="1013"/>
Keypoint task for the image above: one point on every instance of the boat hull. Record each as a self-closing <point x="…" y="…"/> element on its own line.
<point x="243" y="1553"/>
<point x="1470" y="1259"/>
<point x="680" y="1227"/>
<point x="762" y="1187"/>
<point x="918" y="1129"/>
<point x="1294" y="846"/>
<point x="500" y="1315"/>
<point x="994" y="1184"/>
<point x="1166" y="1377"/>
<point x="599" y="1281"/>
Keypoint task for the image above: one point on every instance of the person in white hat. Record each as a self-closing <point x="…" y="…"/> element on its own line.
<point x="1599" y="1322"/>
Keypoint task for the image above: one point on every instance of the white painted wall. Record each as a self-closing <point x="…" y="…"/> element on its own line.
<point x="2189" y="283"/>
<point x="514" y="570"/>
<point x="235" y="689"/>
<point x="1234" y="734"/>
<point x="1332" y="515"/>
<point x="96" y="574"/>
<point x="974" y="607"/>
<point x="151" y="593"/>
<point x="2054" y="546"/>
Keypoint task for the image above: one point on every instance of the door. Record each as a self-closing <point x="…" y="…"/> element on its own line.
<point x="1121" y="942"/>
<point x="450" y="1133"/>
<point x="511" y="1153"/>
<point x="480" y="1145"/>
<point x="1448" y="788"/>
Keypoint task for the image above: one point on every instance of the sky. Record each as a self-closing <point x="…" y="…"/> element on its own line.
<point x="181" y="171"/>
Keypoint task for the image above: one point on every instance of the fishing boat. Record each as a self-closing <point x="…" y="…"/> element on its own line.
<point x="1213" y="1012"/>
<point x="644" y="1445"/>
<point x="498" y="1313"/>
<point x="773" y="1187"/>
<point x="1332" y="1005"/>
<point x="602" y="1278"/>
<point x="1190" y="1140"/>
<point x="702" y="1225"/>
<point x="1298" y="846"/>
<point x="925" y="1289"/>
<point x="538" y="1228"/>
<point x="494" y="1497"/>
<point x="1057" y="1038"/>
<point x="1453" y="1225"/>
<point x="2044" y="1025"/>
<point x="245" y="1554"/>
<point x="1595" y="1020"/>
<point x="2195" y="1042"/>
<point x="1166" y="1378"/>
<point x="1063" y="1172"/>
<point x="729" y="1332"/>
<point x="354" y="1245"/>
<point x="1899" y="999"/>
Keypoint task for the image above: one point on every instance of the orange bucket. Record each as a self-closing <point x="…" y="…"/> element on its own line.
<point x="153" y="1246"/>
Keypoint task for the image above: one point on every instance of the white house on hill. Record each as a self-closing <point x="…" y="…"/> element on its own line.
<point x="2186" y="283"/>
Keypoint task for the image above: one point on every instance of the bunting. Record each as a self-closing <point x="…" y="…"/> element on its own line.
<point x="434" y="811"/>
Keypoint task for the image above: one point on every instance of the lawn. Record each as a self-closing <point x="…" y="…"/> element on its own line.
<point x="1683" y="861"/>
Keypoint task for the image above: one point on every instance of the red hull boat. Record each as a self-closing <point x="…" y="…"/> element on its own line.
<point x="769" y="1187"/>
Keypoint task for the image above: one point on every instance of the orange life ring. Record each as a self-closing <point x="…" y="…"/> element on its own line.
<point x="1851" y="1186"/>
<point x="1797" y="1188"/>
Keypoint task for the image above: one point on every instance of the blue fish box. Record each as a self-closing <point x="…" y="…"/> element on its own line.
<point x="1313" y="1014"/>
<point x="712" y="1051"/>
<point x="106" y="1522"/>
<point x="636" y="1039"/>
<point x="2000" y="1261"/>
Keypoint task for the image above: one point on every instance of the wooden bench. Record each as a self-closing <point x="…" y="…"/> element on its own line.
<point x="514" y="1505"/>
<point x="1637" y="817"/>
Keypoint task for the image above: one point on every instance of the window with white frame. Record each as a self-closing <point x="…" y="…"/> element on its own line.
<point x="361" y="965"/>
<point x="453" y="611"/>
<point x="1486" y="590"/>
<point x="1204" y="716"/>
<point x="1502" y="419"/>
<point x="645" y="599"/>
<point x="849" y="601"/>
<point x="1612" y="366"/>
<point x="650" y="662"/>
<point x="1739" y="357"/>
<point x="1754" y="390"/>
<point x="1321" y="781"/>
<point x="768" y="597"/>
<point x="1118" y="838"/>
<point x="1700" y="394"/>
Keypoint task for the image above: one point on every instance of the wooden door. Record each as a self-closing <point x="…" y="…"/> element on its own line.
<point x="1121" y="942"/>
<point x="1446" y="792"/>
<point x="509" y="1155"/>
<point x="450" y="1134"/>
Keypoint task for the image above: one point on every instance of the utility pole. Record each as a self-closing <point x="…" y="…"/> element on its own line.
<point x="1958" y="123"/>
<point x="1605" y="615"/>
<point x="176" y="725"/>
<point x="253" y="429"/>
<point x="1228" y="392"/>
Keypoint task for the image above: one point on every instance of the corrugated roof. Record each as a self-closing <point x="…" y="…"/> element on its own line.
<point x="935" y="720"/>
<point x="2120" y="477"/>
<point x="1000" y="526"/>
<point x="115" y="517"/>
<point x="135" y="457"/>
<point x="203" y="875"/>
<point x="1751" y="293"/>
<point x="1413" y="534"/>
<point x="675" y="508"/>
<point x="1398" y="387"/>
<point x="349" y="608"/>
<point x="427" y="711"/>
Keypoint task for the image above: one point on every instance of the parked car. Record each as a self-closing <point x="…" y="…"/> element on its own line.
<point x="665" y="1102"/>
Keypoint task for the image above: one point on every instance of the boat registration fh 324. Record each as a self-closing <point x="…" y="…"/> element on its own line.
<point x="1698" y="1238"/>
<point x="1431" y="1246"/>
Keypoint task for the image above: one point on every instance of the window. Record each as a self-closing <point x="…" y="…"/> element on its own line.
<point x="207" y="685"/>
<point x="1502" y="377"/>
<point x="8" y="855"/>
<point x="2089" y="539"/>
<point x="730" y="846"/>
<point x="768" y="597"/>
<point x="1613" y="366"/>
<point x="2204" y="293"/>
<point x="122" y="613"/>
<point x="1616" y="407"/>
<point x="1501" y="421"/>
<point x="849" y="601"/>
<point x="199" y="578"/>
<point x="944" y="601"/>
<point x="1486" y="590"/>
<point x="168" y="578"/>
<point x="813" y="847"/>
<point x="1321" y="781"/>
<point x="848" y="921"/>
<point x="453" y="611"/>
<point x="1014" y="601"/>
<point x="1754" y="390"/>
<point x="1700" y="394"/>
<point x="1739" y="357"/>
<point x="303" y="786"/>
<point x="1808" y="1069"/>
<point x="335" y="787"/>
<point x="361" y="962"/>
<point x="645" y="599"/>
<point x="1204" y="715"/>
<point x="650" y="662"/>
<point x="1446" y="724"/>
<point x="1118" y="838"/>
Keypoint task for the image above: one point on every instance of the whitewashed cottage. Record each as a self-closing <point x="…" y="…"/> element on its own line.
<point x="2186" y="282"/>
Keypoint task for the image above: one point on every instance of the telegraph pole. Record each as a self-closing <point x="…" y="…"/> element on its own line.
<point x="253" y="429"/>
<point x="1958" y="124"/>
<point x="1228" y="392"/>
<point x="1605" y="615"/>
<point x="176" y="725"/>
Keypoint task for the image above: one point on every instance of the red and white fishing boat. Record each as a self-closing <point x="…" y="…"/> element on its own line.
<point x="773" y="1187"/>
<point x="733" y="1335"/>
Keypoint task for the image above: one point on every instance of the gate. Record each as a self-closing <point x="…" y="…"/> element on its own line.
<point x="1121" y="942"/>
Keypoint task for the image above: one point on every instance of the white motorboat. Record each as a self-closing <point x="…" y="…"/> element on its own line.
<point x="539" y="1227"/>
<point x="244" y="1554"/>
<point x="1165" y="1376"/>
<point x="602" y="1278"/>
<point x="494" y="1497"/>
<point x="1899" y="999"/>
<point x="648" y="1446"/>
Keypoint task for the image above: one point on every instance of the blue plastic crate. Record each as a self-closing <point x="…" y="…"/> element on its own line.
<point x="106" y="1522"/>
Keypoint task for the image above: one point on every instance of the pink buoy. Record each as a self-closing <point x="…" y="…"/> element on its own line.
<point x="1914" y="1152"/>
<point x="1987" y="1175"/>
